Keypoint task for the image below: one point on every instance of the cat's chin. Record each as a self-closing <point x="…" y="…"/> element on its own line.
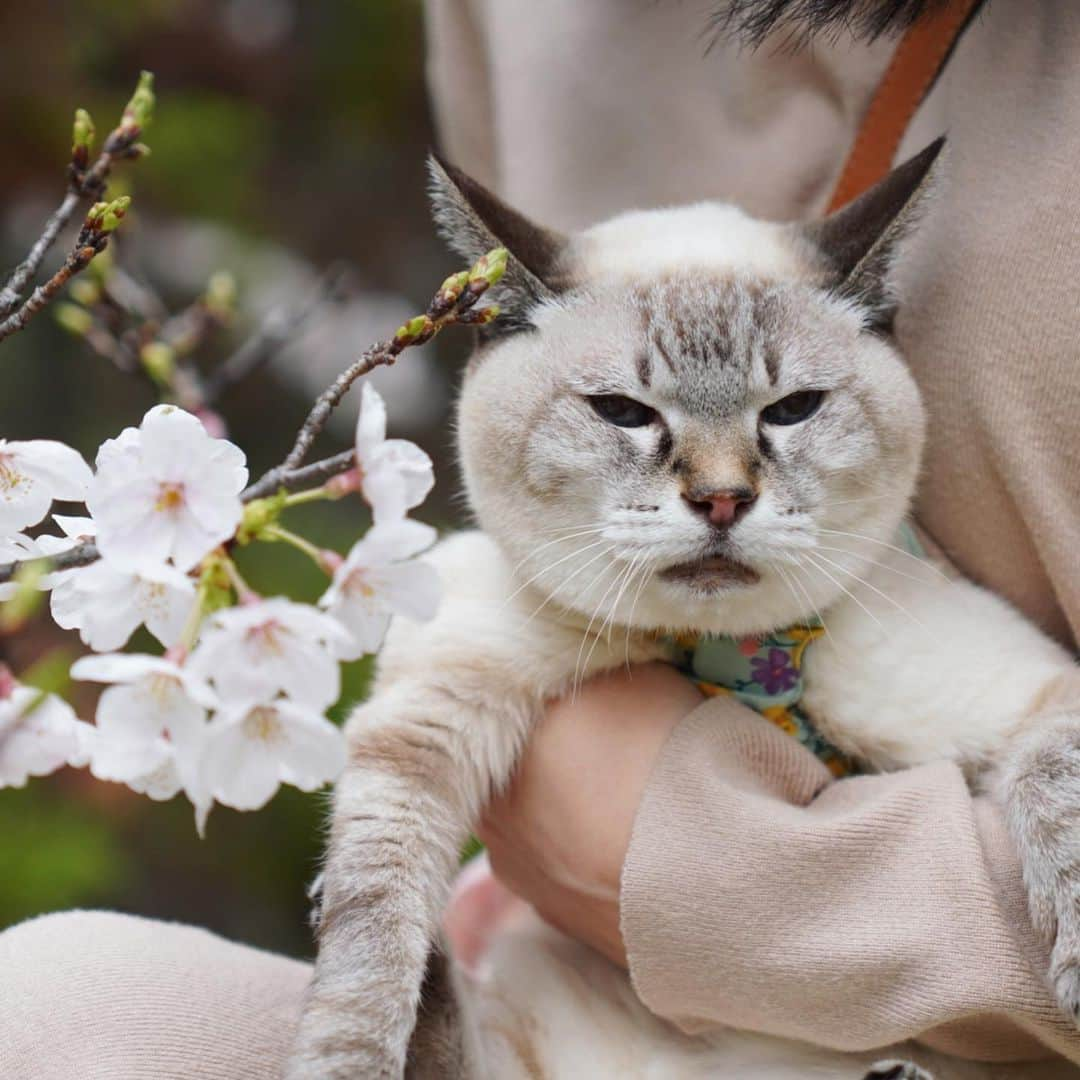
<point x="712" y="575"/>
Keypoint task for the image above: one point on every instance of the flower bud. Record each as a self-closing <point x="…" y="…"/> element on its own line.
<point x="489" y="268"/>
<point x="449" y="293"/>
<point x="258" y="514"/>
<point x="74" y="319"/>
<point x="480" y="316"/>
<point x="82" y="138"/>
<point x="220" y="296"/>
<point x="415" y="332"/>
<point x="337" y="487"/>
<point x="140" y="109"/>
<point x="85" y="292"/>
<point x="159" y="361"/>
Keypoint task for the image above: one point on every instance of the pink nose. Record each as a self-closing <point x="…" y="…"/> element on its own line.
<point x="722" y="508"/>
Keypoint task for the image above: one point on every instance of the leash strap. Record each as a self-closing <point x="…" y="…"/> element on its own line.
<point x="915" y="66"/>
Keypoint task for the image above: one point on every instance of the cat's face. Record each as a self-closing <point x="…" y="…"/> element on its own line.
<point x="696" y="431"/>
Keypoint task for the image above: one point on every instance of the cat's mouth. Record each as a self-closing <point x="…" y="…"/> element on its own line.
<point x="711" y="574"/>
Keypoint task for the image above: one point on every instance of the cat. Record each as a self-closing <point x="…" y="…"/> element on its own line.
<point x="684" y="419"/>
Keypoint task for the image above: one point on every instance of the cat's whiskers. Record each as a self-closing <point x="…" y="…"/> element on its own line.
<point x="550" y="596"/>
<point x="844" y="589"/>
<point x="583" y="531"/>
<point x="884" y="596"/>
<point x="884" y="544"/>
<point x="579" y="668"/>
<point x="646" y="577"/>
<point x="558" y="562"/>
<point x="875" y="562"/>
<point x="806" y="595"/>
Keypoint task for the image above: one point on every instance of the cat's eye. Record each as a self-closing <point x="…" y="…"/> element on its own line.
<point x="793" y="409"/>
<point x="621" y="411"/>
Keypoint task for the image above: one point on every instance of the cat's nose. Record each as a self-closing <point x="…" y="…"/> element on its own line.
<point x="722" y="508"/>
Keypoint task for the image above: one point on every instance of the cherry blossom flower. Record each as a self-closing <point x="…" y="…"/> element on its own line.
<point x="38" y="734"/>
<point x="106" y="603"/>
<point x="151" y="724"/>
<point x="166" y="490"/>
<point x="253" y="652"/>
<point x="32" y="475"/>
<point x="380" y="578"/>
<point x="395" y="475"/>
<point x="253" y="748"/>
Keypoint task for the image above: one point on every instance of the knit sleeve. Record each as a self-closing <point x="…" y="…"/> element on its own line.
<point x="761" y="895"/>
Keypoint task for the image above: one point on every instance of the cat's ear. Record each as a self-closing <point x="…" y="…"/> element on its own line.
<point x="473" y="221"/>
<point x="860" y="242"/>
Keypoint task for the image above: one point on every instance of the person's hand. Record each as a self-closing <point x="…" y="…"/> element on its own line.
<point x="560" y="833"/>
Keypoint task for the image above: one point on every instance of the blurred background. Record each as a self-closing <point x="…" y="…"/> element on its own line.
<point x="287" y="137"/>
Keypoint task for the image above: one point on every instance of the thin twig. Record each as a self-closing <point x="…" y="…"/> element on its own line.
<point x="379" y="355"/>
<point x="277" y="330"/>
<point x="297" y="479"/>
<point x="11" y="294"/>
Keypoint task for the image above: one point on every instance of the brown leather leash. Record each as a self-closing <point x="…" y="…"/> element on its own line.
<point x="915" y="65"/>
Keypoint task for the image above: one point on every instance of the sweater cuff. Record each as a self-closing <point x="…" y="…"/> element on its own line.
<point x="758" y="893"/>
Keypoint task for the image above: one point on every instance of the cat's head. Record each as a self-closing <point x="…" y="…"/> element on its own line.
<point x="685" y="417"/>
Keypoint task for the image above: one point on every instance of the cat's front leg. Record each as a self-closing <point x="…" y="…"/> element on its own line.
<point x="1040" y="790"/>
<point x="424" y="756"/>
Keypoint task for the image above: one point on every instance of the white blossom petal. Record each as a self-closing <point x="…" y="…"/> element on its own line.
<point x="166" y="491"/>
<point x="253" y="652"/>
<point x="36" y="739"/>
<point x="251" y="749"/>
<point x="32" y="475"/>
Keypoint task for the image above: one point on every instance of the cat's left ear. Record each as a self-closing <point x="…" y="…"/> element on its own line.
<point x="473" y="221"/>
<point x="861" y="241"/>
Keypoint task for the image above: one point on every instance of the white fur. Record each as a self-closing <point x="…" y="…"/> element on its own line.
<point x="705" y="236"/>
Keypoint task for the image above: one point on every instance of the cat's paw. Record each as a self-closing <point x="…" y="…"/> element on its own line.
<point x="1041" y="793"/>
<point x="1065" y="966"/>
<point x="897" y="1070"/>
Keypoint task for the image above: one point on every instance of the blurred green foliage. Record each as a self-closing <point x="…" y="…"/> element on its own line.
<point x="297" y="123"/>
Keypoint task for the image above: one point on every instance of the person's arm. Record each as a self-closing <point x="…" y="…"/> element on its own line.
<point x="712" y="855"/>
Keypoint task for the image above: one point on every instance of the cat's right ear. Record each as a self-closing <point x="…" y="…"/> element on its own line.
<point x="473" y="221"/>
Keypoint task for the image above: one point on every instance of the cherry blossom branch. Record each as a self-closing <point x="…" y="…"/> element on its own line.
<point x="307" y="476"/>
<point x="280" y="326"/>
<point x="454" y="303"/>
<point x="83" y="183"/>
<point x="102" y="219"/>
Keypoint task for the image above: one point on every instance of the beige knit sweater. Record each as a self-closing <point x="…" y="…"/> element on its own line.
<point x="882" y="907"/>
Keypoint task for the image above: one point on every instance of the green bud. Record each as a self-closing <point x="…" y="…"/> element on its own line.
<point x="454" y="285"/>
<point x="415" y="331"/>
<point x="114" y="213"/>
<point x="82" y="138"/>
<point x="19" y="608"/>
<point x="159" y="360"/>
<point x="258" y="514"/>
<point x="489" y="268"/>
<point x="220" y="295"/>
<point x="215" y="589"/>
<point x="140" y="109"/>
<point x="480" y="316"/>
<point x="85" y="292"/>
<point x="74" y="319"/>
